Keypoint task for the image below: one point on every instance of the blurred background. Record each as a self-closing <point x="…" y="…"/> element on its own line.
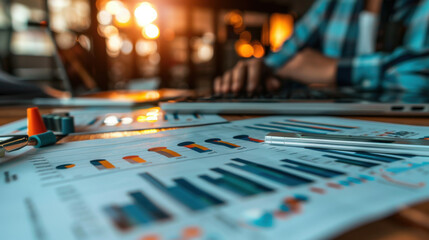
<point x="137" y="44"/>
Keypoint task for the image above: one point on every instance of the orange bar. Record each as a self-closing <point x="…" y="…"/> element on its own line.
<point x="172" y="153"/>
<point x="199" y="146"/>
<point x="134" y="158"/>
<point x="106" y="164"/>
<point x="231" y="144"/>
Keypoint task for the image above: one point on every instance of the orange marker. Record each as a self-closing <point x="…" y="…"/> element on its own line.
<point x="35" y="123"/>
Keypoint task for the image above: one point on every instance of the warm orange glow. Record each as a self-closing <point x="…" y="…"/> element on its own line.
<point x="281" y="28"/>
<point x="145" y="14"/>
<point x="104" y="17"/>
<point x="141" y="118"/>
<point x="153" y="95"/>
<point x="108" y="31"/>
<point x="146" y="47"/>
<point x="246" y="36"/>
<point x="149" y="115"/>
<point x="136" y="96"/>
<point x="150" y="31"/>
<point x="114" y="43"/>
<point x="258" y="50"/>
<point x="234" y="18"/>
<point x="123" y="17"/>
<point x="245" y="50"/>
<point x="192" y="232"/>
<point x="114" y="6"/>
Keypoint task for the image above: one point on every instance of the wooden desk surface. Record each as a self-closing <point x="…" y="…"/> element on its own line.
<point x="411" y="223"/>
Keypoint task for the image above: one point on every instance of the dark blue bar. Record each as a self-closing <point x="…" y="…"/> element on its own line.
<point x="234" y="183"/>
<point x="364" y="155"/>
<point x="273" y="174"/>
<point x="198" y="193"/>
<point x="118" y="217"/>
<point x="185" y="193"/>
<point x="352" y="161"/>
<point x="307" y="168"/>
<point x="152" y="209"/>
<point x="136" y="215"/>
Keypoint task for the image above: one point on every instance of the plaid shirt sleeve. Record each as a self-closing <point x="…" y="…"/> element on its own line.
<point x="403" y="69"/>
<point x="307" y="30"/>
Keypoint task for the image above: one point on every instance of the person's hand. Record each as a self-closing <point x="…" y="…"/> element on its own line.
<point x="310" y="67"/>
<point x="247" y="76"/>
<point x="307" y="66"/>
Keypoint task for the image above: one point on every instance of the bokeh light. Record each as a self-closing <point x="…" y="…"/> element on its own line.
<point x="150" y="31"/>
<point x="114" y="6"/>
<point x="145" y="14"/>
<point x="123" y="16"/>
<point x="146" y="47"/>
<point x="114" y="44"/>
<point x="258" y="50"/>
<point x="244" y="49"/>
<point x="108" y="31"/>
<point x="127" y="47"/>
<point x="104" y="17"/>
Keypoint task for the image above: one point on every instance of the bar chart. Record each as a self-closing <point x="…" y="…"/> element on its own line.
<point x="307" y="168"/>
<point x="141" y="211"/>
<point x="133" y="159"/>
<point x="247" y="138"/>
<point x="236" y="184"/>
<point x="65" y="166"/>
<point x="193" y="146"/>
<point x="269" y="173"/>
<point x="102" y="164"/>
<point x="360" y="159"/>
<point x="186" y="193"/>
<point x="164" y="151"/>
<point x="321" y="124"/>
<point x="218" y="141"/>
<point x="313" y="127"/>
<point x="294" y="125"/>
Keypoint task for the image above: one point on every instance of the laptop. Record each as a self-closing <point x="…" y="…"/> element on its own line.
<point x="307" y="101"/>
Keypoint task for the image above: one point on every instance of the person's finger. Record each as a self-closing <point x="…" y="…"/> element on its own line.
<point x="238" y="77"/>
<point x="217" y="85"/>
<point x="272" y="84"/>
<point x="254" y="69"/>
<point x="226" y="82"/>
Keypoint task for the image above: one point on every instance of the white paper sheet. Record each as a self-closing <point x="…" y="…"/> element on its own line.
<point x="209" y="183"/>
<point x="125" y="119"/>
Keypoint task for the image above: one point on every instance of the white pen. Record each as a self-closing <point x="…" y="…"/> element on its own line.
<point x="350" y="143"/>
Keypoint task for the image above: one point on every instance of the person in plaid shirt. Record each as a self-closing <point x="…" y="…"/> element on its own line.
<point x="370" y="45"/>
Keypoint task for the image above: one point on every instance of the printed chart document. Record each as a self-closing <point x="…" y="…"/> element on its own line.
<point x="210" y="182"/>
<point x="126" y="119"/>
